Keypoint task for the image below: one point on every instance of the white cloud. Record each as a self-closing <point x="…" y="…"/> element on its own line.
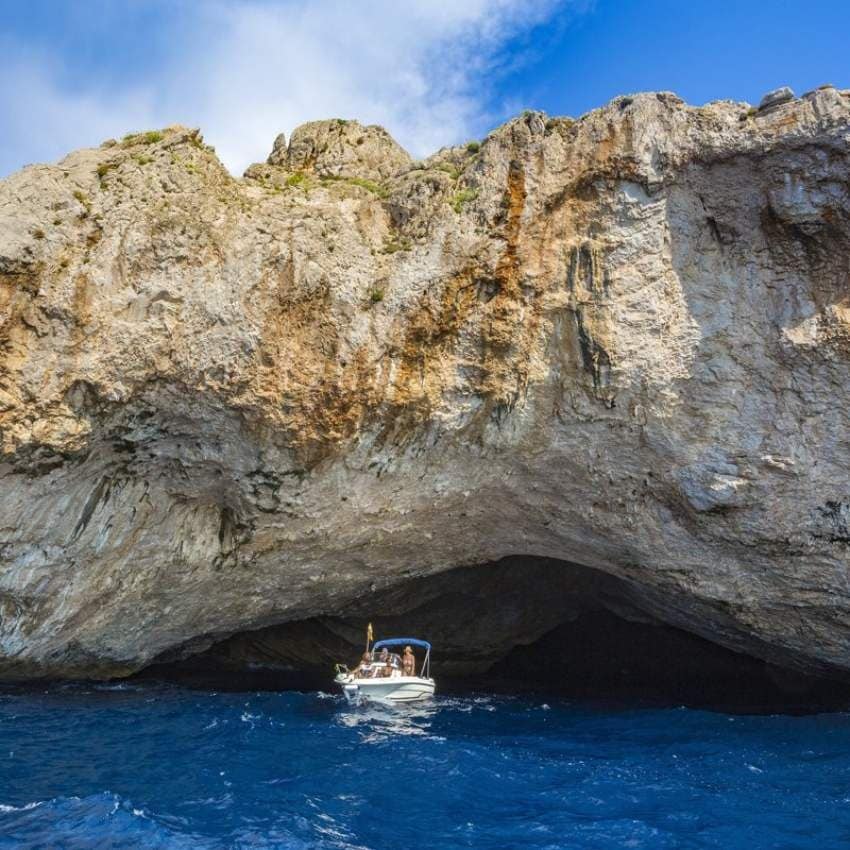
<point x="40" y="119"/>
<point x="244" y="71"/>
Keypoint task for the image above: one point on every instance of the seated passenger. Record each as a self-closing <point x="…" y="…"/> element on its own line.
<point x="408" y="662"/>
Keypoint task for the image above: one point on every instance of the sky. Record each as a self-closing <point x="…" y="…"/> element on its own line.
<point x="433" y="72"/>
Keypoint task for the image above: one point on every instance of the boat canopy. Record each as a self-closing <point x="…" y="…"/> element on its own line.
<point x="399" y="641"/>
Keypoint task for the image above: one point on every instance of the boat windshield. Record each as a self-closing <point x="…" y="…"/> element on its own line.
<point x="393" y="659"/>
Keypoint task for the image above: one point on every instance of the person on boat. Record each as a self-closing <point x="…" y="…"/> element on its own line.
<point x="362" y="668"/>
<point x="380" y="668"/>
<point x="408" y="662"/>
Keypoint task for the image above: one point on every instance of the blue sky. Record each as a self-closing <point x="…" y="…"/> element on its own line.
<point x="433" y="72"/>
<point x="701" y="50"/>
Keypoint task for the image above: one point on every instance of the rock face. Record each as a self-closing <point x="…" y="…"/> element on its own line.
<point x="621" y="342"/>
<point x="340" y="148"/>
<point x="776" y="97"/>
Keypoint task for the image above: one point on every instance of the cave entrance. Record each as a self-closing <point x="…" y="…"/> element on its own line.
<point x="522" y="624"/>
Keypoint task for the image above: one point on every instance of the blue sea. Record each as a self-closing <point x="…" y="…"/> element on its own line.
<point x="159" y="766"/>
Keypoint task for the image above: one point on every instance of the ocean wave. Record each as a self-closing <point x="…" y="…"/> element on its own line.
<point x="5" y="809"/>
<point x="98" y="820"/>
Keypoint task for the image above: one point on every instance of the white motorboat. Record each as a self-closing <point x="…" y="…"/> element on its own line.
<point x="379" y="676"/>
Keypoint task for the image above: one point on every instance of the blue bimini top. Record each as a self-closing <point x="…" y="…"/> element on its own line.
<point x="398" y="641"/>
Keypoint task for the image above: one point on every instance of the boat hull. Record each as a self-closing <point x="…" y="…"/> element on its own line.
<point x="396" y="689"/>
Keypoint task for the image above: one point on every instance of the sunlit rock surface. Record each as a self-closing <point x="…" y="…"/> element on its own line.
<point x="621" y="342"/>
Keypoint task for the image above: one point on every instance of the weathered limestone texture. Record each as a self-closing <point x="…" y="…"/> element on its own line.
<point x="621" y="341"/>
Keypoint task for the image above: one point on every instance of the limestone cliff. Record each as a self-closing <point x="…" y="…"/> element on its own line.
<point x="621" y="342"/>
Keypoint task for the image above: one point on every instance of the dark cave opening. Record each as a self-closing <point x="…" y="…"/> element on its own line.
<point x="601" y="656"/>
<point x="519" y="625"/>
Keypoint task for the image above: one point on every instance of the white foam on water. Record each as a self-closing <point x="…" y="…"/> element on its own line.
<point x="4" y="809"/>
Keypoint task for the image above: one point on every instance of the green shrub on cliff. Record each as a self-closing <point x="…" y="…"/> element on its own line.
<point x="462" y="197"/>
<point x="401" y="244"/>
<point x="296" y="179"/>
<point x="452" y="170"/>
<point x="369" y="186"/>
<point x="151" y="137"/>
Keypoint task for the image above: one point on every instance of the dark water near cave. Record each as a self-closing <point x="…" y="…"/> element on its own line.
<point x="159" y="766"/>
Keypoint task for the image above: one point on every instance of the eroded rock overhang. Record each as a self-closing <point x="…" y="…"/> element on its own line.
<point x="618" y="342"/>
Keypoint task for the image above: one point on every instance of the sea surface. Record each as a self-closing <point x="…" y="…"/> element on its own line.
<point x="159" y="766"/>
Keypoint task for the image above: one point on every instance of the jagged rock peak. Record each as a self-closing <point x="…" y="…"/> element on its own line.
<point x="341" y="148"/>
<point x="777" y="97"/>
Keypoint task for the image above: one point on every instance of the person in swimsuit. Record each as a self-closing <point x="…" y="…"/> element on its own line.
<point x="408" y="662"/>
